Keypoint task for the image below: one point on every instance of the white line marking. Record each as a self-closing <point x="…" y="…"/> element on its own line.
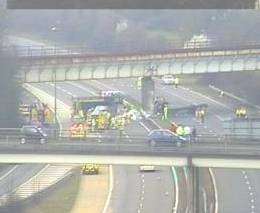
<point x="176" y="203"/>
<point x="219" y="118"/>
<point x="111" y="186"/>
<point x="215" y="189"/>
<point x="9" y="172"/>
<point x="83" y="88"/>
<point x="208" y="98"/>
<point x="156" y="124"/>
<point x="145" y="127"/>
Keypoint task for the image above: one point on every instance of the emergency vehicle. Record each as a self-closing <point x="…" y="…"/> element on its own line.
<point x="90" y="169"/>
<point x="93" y="113"/>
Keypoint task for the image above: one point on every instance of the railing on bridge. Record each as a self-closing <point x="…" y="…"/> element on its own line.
<point x="193" y="46"/>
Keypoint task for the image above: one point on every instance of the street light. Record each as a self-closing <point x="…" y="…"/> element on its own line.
<point x="54" y="29"/>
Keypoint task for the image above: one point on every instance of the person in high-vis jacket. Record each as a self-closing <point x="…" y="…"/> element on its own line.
<point x="165" y="112"/>
<point x="176" y="82"/>
<point x="180" y="131"/>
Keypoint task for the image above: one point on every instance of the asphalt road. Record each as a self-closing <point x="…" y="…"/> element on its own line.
<point x="237" y="198"/>
<point x="15" y="175"/>
<point x="18" y="175"/>
<point x="234" y="192"/>
<point x="139" y="200"/>
<point x="235" y="182"/>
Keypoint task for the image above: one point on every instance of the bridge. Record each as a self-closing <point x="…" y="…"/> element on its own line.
<point x="206" y="152"/>
<point x="45" y="64"/>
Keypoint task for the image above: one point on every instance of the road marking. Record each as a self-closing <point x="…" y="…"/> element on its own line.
<point x="175" y="178"/>
<point x="219" y="118"/>
<point x="215" y="189"/>
<point x="156" y="124"/>
<point x="208" y="98"/>
<point x="144" y="126"/>
<point x="9" y="172"/>
<point x="111" y="186"/>
<point x="83" y="88"/>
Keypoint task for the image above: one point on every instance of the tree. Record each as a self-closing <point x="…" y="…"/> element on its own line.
<point x="9" y="91"/>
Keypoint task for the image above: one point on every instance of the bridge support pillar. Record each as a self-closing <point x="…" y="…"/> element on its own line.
<point x="147" y="93"/>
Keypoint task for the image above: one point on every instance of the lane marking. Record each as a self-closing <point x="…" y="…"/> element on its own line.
<point x="215" y="189"/>
<point x="8" y="173"/>
<point x="144" y="126"/>
<point x="175" y="178"/>
<point x="111" y="187"/>
<point x="82" y="88"/>
<point x="206" y="97"/>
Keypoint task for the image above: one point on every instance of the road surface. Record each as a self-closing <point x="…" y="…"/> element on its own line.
<point x="163" y="177"/>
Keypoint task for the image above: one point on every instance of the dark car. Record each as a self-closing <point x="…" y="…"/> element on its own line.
<point x="164" y="137"/>
<point x="33" y="134"/>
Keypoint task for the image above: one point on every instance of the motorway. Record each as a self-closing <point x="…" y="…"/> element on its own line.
<point x="13" y="176"/>
<point x="237" y="189"/>
<point x="234" y="179"/>
<point x="137" y="191"/>
<point x="234" y="192"/>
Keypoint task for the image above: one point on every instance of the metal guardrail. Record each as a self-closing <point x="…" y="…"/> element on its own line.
<point x="178" y="47"/>
<point x="13" y="136"/>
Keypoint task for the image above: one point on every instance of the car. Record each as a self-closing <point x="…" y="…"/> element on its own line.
<point x="164" y="137"/>
<point x="90" y="169"/>
<point x="146" y="168"/>
<point x="34" y="134"/>
<point x="168" y="79"/>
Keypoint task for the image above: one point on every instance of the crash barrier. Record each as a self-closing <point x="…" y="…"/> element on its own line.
<point x="187" y="111"/>
<point x="15" y="135"/>
<point x="128" y="152"/>
<point x="249" y="127"/>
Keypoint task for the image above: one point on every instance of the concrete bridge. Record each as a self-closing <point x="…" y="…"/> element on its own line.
<point x="207" y="152"/>
<point x="41" y="64"/>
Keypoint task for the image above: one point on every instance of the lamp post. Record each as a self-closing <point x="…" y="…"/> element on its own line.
<point x="55" y="99"/>
<point x="54" y="29"/>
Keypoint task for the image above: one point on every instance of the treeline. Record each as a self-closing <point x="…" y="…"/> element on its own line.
<point x="9" y="89"/>
<point x="145" y="29"/>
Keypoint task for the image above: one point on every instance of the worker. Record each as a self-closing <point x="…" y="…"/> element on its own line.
<point x="243" y="112"/>
<point x="165" y="111"/>
<point x="221" y="94"/>
<point x="202" y="115"/>
<point x="187" y="130"/>
<point x="173" y="127"/>
<point x="193" y="134"/>
<point x="176" y="82"/>
<point x="93" y="124"/>
<point x="156" y="105"/>
<point x="180" y="131"/>
<point x="113" y="123"/>
<point x="237" y="112"/>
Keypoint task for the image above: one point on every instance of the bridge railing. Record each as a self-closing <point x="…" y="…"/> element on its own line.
<point x="191" y="46"/>
<point x="108" y="136"/>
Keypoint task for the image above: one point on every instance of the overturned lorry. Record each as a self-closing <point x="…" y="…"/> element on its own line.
<point x="83" y="105"/>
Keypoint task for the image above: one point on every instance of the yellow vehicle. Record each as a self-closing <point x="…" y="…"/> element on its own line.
<point x="90" y="169"/>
